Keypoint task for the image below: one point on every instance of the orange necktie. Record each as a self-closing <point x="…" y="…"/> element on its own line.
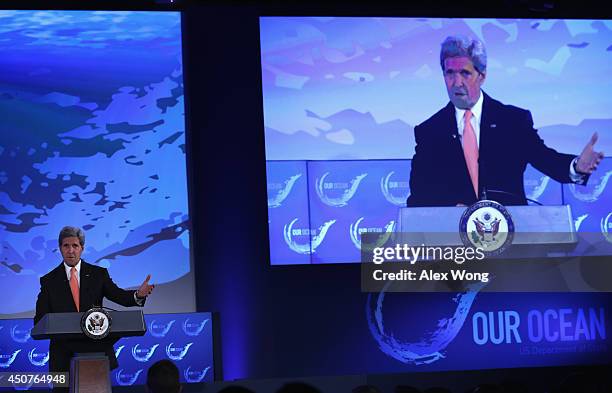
<point x="74" y="287"/>
<point x="470" y="150"/>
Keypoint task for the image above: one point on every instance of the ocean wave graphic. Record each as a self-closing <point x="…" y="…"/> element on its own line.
<point x="283" y="193"/>
<point x="346" y="196"/>
<point x="384" y="187"/>
<point x="306" y="248"/>
<point x="431" y="348"/>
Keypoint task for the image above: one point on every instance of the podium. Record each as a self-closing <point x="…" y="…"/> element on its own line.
<point x="89" y="369"/>
<point x="539" y="230"/>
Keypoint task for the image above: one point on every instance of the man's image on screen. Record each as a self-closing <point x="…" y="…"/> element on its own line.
<point x="74" y="286"/>
<point x="477" y="146"/>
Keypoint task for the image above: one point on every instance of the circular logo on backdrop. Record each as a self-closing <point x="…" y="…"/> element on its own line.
<point x="96" y="323"/>
<point x="488" y="225"/>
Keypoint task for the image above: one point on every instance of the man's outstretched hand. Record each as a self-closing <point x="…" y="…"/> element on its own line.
<point x="145" y="288"/>
<point x="589" y="158"/>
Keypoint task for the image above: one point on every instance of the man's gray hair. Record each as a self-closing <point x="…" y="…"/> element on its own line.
<point x="462" y="46"/>
<point x="72" y="232"/>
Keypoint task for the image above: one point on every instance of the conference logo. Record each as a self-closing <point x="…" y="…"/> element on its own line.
<point x="195" y="376"/>
<point x="177" y="353"/>
<point x="337" y="194"/>
<point x="488" y="225"/>
<point x="143" y="354"/>
<point x="593" y="190"/>
<point x="126" y="379"/>
<point x="38" y="358"/>
<point x="282" y="191"/>
<point x="159" y="329"/>
<point x="6" y="360"/>
<point x="432" y="343"/>
<point x="193" y="328"/>
<point x="578" y="221"/>
<point x="534" y="188"/>
<point x="606" y="226"/>
<point x="551" y="325"/>
<point x="20" y="335"/>
<point x="311" y="238"/>
<point x="118" y="351"/>
<point x="395" y="192"/>
<point x="356" y="231"/>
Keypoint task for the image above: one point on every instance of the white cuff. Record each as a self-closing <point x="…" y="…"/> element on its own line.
<point x="576" y="177"/>
<point x="138" y="301"/>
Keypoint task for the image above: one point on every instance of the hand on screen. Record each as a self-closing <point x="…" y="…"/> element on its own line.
<point x="589" y="158"/>
<point x="145" y="288"/>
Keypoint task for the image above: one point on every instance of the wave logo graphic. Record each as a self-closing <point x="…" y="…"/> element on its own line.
<point x="356" y="232"/>
<point x="315" y="237"/>
<point x="591" y="193"/>
<point x="282" y="191"/>
<point x="38" y="358"/>
<point x="7" y="360"/>
<point x="194" y="328"/>
<point x="159" y="329"/>
<point x="578" y="221"/>
<point x="323" y="188"/>
<point x="535" y="188"/>
<point x="386" y="186"/>
<point x="177" y="353"/>
<point x="195" y="376"/>
<point x="430" y="348"/>
<point x="606" y="225"/>
<point x="118" y="351"/>
<point x="126" y="379"/>
<point x="143" y="355"/>
<point x="20" y="335"/>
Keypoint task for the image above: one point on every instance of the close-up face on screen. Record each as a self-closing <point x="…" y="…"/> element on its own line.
<point x="342" y="97"/>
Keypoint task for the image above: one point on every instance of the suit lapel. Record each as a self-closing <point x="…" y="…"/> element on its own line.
<point x="487" y="130"/>
<point x="85" y="301"/>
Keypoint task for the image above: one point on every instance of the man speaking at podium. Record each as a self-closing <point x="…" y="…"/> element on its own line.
<point x="77" y="286"/>
<point x="477" y="144"/>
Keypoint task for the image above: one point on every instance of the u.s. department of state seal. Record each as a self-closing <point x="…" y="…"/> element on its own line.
<point x="488" y="225"/>
<point x="96" y="323"/>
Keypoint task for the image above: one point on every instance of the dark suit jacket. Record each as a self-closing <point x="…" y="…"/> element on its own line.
<point x="508" y="141"/>
<point x="55" y="296"/>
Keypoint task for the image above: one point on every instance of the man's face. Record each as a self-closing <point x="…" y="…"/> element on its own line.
<point x="71" y="250"/>
<point x="462" y="81"/>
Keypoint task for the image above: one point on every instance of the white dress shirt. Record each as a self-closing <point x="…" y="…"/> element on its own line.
<point x="78" y="271"/>
<point x="474" y="121"/>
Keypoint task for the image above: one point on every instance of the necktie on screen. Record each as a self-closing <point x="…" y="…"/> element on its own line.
<point x="470" y="150"/>
<point x="74" y="287"/>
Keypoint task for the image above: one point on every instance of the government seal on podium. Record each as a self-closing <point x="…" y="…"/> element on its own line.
<point x="96" y="323"/>
<point x="487" y="225"/>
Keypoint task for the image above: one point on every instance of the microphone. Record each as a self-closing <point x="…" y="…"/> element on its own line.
<point x="483" y="194"/>
<point x="482" y="169"/>
<point x="515" y="195"/>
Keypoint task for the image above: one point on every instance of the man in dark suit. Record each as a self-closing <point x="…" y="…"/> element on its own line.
<point x="77" y="286"/>
<point x="477" y="145"/>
